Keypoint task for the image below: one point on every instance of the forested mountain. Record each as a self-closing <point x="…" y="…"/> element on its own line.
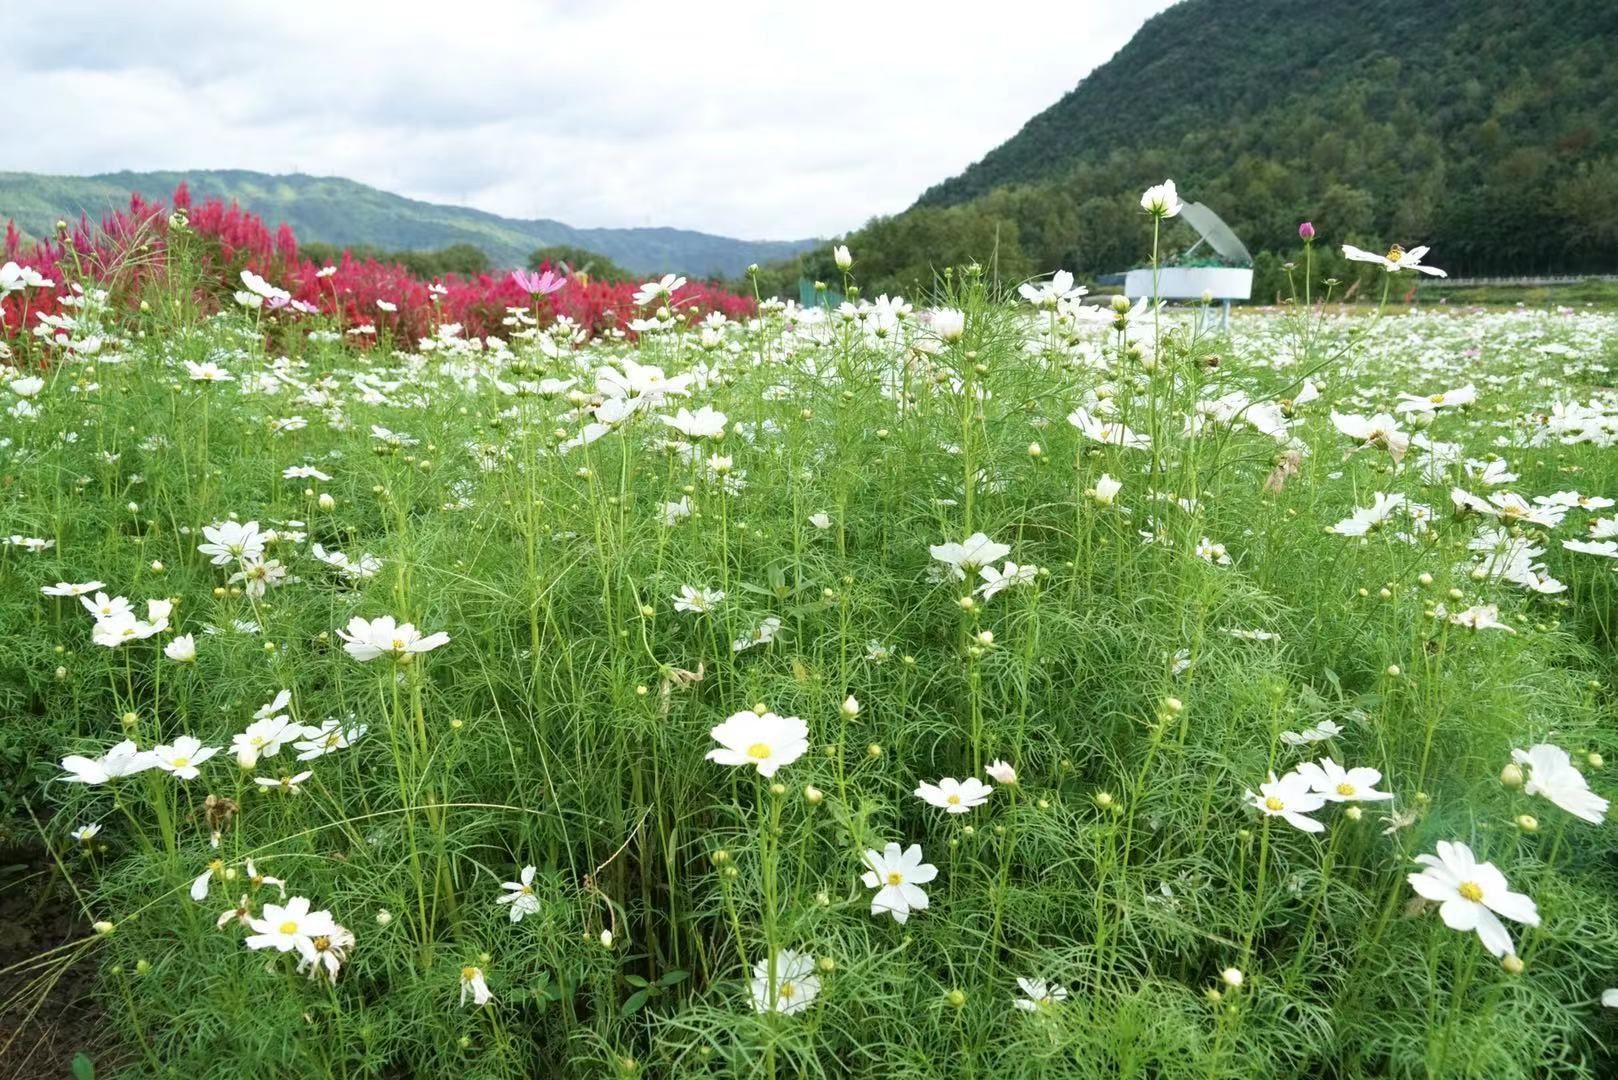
<point x="345" y="213"/>
<point x="1487" y="129"/>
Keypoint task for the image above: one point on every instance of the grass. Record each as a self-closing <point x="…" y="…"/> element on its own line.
<point x="1140" y="682"/>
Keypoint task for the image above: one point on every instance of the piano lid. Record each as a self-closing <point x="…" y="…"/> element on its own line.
<point x="1218" y="235"/>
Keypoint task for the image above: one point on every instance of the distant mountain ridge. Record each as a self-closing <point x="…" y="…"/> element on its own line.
<point x="1484" y="128"/>
<point x="344" y="212"/>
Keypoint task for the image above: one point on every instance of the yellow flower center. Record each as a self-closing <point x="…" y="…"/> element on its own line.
<point x="1345" y="789"/>
<point x="1274" y="804"/>
<point x="954" y="800"/>
<point x="787" y="991"/>
<point x="895" y="878"/>
<point x="758" y="751"/>
<point x="322" y="944"/>
<point x="1395" y="253"/>
<point x="180" y="762"/>
<point x="398" y="644"/>
<point x="1436" y="399"/>
<point x="468" y="974"/>
<point x="289" y="927"/>
<point x="1471" y="890"/>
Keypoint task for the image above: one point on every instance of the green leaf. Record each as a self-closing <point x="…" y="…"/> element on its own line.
<point x="673" y="978"/>
<point x="83" y="1067"/>
<point x="635" y="980"/>
<point x="636" y="1000"/>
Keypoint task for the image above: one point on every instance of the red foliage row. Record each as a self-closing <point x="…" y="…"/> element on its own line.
<point x="128" y="249"/>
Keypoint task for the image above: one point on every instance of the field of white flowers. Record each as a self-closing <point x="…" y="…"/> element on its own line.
<point x="1014" y="684"/>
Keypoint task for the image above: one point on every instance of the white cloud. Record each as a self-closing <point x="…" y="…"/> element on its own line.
<point x="758" y="119"/>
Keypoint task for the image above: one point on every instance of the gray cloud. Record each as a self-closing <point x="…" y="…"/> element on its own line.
<point x="747" y="118"/>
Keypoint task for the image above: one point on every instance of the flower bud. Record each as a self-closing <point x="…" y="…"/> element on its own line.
<point x="1306" y="231"/>
<point x="1512" y="964"/>
<point x="1232" y="977"/>
<point x="1511" y="776"/>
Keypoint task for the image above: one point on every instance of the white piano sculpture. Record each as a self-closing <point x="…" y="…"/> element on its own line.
<point x="1226" y="276"/>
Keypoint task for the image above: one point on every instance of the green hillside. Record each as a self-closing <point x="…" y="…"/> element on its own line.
<point x="338" y="211"/>
<point x="1483" y="128"/>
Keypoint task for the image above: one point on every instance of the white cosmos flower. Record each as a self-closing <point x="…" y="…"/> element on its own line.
<point x="1448" y="399"/>
<point x="365" y="640"/>
<point x="897" y="878"/>
<point x="122" y="760"/>
<point x="1105" y="493"/>
<point x="763" y="740"/>
<point x="1038" y="994"/>
<point x="67" y="588"/>
<point x="1001" y="772"/>
<point x="474" y="986"/>
<point x="520" y="895"/>
<point x="662" y="289"/>
<point x="955" y="796"/>
<point x="329" y="737"/>
<point x="1161" y="200"/>
<point x="1395" y="260"/>
<point x="948" y="323"/>
<point x="1609" y="998"/>
<point x="1471" y="895"/>
<point x="86" y="833"/>
<point x="264" y="738"/>
<point x="182" y="650"/>
<point x="286" y="785"/>
<point x="1551" y="774"/>
<point x="1320" y="732"/>
<point x="796" y="983"/>
<point x="181" y="757"/>
<point x="1366" y="519"/>
<point x="697" y="601"/>
<point x="263" y="289"/>
<point x="331" y="950"/>
<point x="208" y="372"/>
<point x="1380" y="431"/>
<point x="103" y="606"/>
<point x="997" y="581"/>
<point x="705" y="423"/>
<point x="1109" y="432"/>
<point x="290" y="927"/>
<point x="1338" y="784"/>
<point x="1480" y="617"/>
<point x="1605" y="548"/>
<point x="232" y="541"/>
<point x="976" y="551"/>
<point x="1289" y="798"/>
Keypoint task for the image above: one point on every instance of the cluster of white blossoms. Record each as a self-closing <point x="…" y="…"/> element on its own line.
<point x="1310" y="787"/>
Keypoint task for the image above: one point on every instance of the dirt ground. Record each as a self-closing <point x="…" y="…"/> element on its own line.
<point x="47" y="1014"/>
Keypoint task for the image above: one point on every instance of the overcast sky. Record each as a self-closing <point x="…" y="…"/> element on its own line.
<point x="760" y="119"/>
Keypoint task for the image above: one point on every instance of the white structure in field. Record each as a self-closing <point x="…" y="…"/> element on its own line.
<point x="1217" y="284"/>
